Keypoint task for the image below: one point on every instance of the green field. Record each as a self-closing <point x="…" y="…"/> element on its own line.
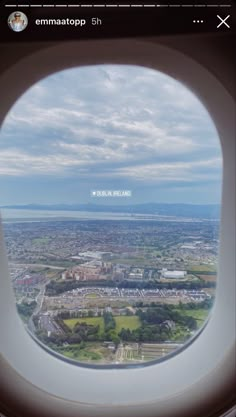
<point x="94" y="321"/>
<point x="92" y="295"/>
<point x="200" y="315"/>
<point x="202" y="268"/>
<point x="89" y="352"/>
<point x="133" y="322"/>
<point x="126" y="322"/>
<point x="139" y="261"/>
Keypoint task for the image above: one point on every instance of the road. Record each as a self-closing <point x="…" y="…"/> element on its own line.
<point x="41" y="265"/>
<point x="48" y="324"/>
<point x="39" y="301"/>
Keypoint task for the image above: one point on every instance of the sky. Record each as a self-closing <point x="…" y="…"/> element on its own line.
<point x="109" y="127"/>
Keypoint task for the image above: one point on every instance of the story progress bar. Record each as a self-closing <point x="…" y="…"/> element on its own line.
<point x="117" y="5"/>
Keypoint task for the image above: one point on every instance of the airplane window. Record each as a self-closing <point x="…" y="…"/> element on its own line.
<point x="110" y="198"/>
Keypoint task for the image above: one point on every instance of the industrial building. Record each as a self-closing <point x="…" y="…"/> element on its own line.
<point x="172" y="274"/>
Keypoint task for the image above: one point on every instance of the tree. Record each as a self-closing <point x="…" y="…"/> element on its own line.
<point x="116" y="340"/>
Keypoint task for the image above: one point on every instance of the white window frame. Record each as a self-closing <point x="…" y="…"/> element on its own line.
<point x="186" y="383"/>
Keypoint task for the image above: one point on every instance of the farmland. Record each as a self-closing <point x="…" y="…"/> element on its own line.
<point x="199" y="315"/>
<point x="126" y="322"/>
<point x="209" y="278"/>
<point x="94" y="321"/>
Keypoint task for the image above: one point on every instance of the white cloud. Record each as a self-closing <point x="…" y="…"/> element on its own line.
<point x="130" y="122"/>
<point x="175" y="172"/>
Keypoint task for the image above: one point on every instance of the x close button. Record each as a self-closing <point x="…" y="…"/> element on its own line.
<point x="223" y="21"/>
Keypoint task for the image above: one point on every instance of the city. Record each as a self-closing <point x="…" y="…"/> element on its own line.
<point x="113" y="291"/>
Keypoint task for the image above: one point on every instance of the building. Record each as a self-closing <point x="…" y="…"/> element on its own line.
<point x="29" y="280"/>
<point x="88" y="272"/>
<point x="136" y="274"/>
<point x="172" y="274"/>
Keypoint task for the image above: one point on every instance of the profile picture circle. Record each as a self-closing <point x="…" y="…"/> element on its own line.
<point x="17" y="21"/>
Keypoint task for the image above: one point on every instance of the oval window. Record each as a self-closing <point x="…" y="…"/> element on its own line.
<point x="110" y="197"/>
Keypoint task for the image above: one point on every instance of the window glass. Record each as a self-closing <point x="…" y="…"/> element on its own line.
<point x="110" y="196"/>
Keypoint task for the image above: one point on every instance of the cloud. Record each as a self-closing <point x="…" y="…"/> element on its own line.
<point x="186" y="172"/>
<point x="110" y="120"/>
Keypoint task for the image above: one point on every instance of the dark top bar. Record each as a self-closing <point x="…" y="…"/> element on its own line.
<point x="98" y="19"/>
